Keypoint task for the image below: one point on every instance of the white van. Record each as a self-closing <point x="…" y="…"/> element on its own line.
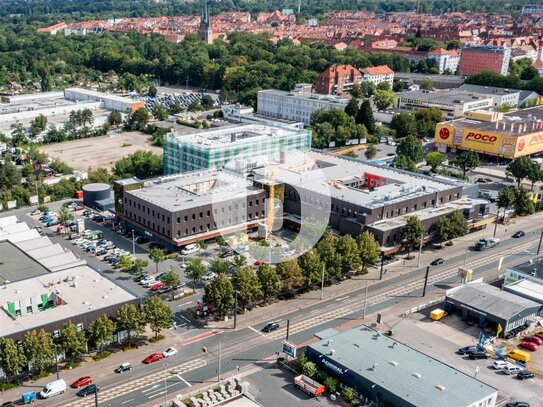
<point x="189" y="249"/>
<point x="511" y="369"/>
<point x="53" y="388"/>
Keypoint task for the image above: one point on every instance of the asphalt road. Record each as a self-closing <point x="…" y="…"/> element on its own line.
<point x="248" y="346"/>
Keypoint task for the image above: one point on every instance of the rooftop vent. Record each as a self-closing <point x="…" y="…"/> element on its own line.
<point x="332" y="351"/>
<point x="440" y="387"/>
<point x="393" y="363"/>
<point x="417" y="375"/>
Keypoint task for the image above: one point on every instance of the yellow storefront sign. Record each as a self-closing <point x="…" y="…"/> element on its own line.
<point x="529" y="144"/>
<point x="444" y="134"/>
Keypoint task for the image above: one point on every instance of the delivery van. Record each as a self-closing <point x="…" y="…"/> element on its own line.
<point x="518" y="354"/>
<point x="437" y="314"/>
<point x="53" y="388"/>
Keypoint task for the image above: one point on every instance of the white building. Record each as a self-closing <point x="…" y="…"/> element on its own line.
<point x="500" y="96"/>
<point x="378" y="74"/>
<point x="445" y="60"/>
<point x="109" y="101"/>
<point x="297" y="105"/>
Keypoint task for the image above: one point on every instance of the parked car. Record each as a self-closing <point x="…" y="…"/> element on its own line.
<point x="477" y="354"/>
<point x="518" y="234"/>
<point x="124" y="367"/>
<point x="157" y="286"/>
<point x="511" y="368"/>
<point x="143" y="276"/>
<point x="209" y="276"/>
<point x="437" y="262"/>
<point x="534" y="339"/>
<point x="529" y="345"/>
<point x="100" y="251"/>
<point x="7" y="404"/>
<point x="47" y="219"/>
<point x="466" y="349"/>
<point x="74" y="236"/>
<point x="190" y="249"/>
<point x="169" y="352"/>
<point x="90" y="389"/>
<point x="82" y="381"/>
<point x="154" y="245"/>
<point x="517" y="404"/>
<point x="525" y="374"/>
<point x="499" y="364"/>
<point x="149" y="282"/>
<point x="152" y="358"/>
<point x="141" y="240"/>
<point x="52" y="223"/>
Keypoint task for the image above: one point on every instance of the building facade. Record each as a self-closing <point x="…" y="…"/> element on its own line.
<point x="338" y="80"/>
<point x="297" y="105"/>
<point x="446" y="60"/>
<point x="474" y="59"/>
<point x="245" y="144"/>
<point x="378" y="74"/>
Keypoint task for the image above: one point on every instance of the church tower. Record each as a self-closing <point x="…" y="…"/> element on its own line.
<point x="205" y="33"/>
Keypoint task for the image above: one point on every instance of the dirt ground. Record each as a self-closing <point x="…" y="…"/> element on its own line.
<point x="99" y="151"/>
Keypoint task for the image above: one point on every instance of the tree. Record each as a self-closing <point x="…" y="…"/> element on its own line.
<point x="434" y="159"/>
<point x="534" y="175"/>
<point x="404" y="124"/>
<point x="9" y="175"/>
<point x="365" y="116"/>
<point x="196" y="270"/>
<point x="349" y="253"/>
<point x="329" y="256"/>
<point x="171" y="279"/>
<point x="310" y="369"/>
<point x="239" y="261"/>
<point x="454" y="44"/>
<point x="368" y="88"/>
<point x="352" y="107"/>
<point x="137" y="120"/>
<point x="195" y="106"/>
<point x="247" y="285"/>
<point x="129" y="319"/>
<point x="115" y="118"/>
<point x="140" y="164"/>
<point x="202" y="244"/>
<point x="64" y="215"/>
<point x="269" y="280"/>
<point x="220" y="293"/>
<point x="466" y="161"/>
<point x="152" y="90"/>
<point x="506" y="198"/>
<point x="410" y="147"/>
<point x="72" y="341"/>
<point x="12" y="359"/>
<point x="157" y="314"/>
<point x="398" y="86"/>
<point x="426" y="84"/>
<point x="426" y="120"/>
<point x="157" y="256"/>
<point x="39" y="350"/>
<point x="219" y="266"/>
<point x="311" y="266"/>
<point x="356" y="91"/>
<point x="405" y="163"/>
<point x="368" y="248"/>
<point x="383" y="86"/>
<point x="370" y="152"/>
<point x="521" y="168"/>
<point x="38" y="124"/>
<point x="450" y="226"/>
<point x="207" y="102"/>
<point x="529" y="73"/>
<point x="383" y="98"/>
<point x="523" y="204"/>
<point x="100" y="331"/>
<point x="290" y="274"/>
<point x="412" y="232"/>
<point x="160" y="112"/>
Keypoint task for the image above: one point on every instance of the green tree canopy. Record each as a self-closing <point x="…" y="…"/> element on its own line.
<point x="290" y="274"/>
<point x="157" y="314"/>
<point x="219" y="266"/>
<point x="311" y="265"/>
<point x="39" y="350"/>
<point x="130" y="319"/>
<point x="383" y="99"/>
<point x="434" y="159"/>
<point x="196" y="270"/>
<point x="404" y="124"/>
<point x="157" y="256"/>
<point x="370" y="151"/>
<point x="269" y="280"/>
<point x="72" y="341"/>
<point x="365" y="116"/>
<point x="466" y="161"/>
<point x="220" y="294"/>
<point x="410" y="147"/>
<point x="100" y="331"/>
<point x="368" y="248"/>
<point x="140" y="164"/>
<point x="12" y="359"/>
<point x="521" y="168"/>
<point x="247" y="284"/>
<point x="171" y="279"/>
<point x="412" y="232"/>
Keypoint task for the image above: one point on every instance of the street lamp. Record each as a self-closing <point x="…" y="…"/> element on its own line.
<point x="204" y="349"/>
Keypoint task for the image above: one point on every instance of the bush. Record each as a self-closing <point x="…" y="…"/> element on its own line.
<point x="299" y="364"/>
<point x="43" y="208"/>
<point x="156" y="339"/>
<point x="321" y="376"/>
<point x="8" y="386"/>
<point x="100" y="356"/>
<point x="449" y="243"/>
<point x="332" y="384"/>
<point x="348" y="394"/>
<point x="309" y="369"/>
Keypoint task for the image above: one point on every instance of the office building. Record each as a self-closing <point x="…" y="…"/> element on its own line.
<point x="338" y="80"/>
<point x="474" y="59"/>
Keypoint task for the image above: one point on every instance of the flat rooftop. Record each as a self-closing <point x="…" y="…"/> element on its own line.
<point x="526" y="289"/>
<point x="330" y="175"/>
<point x="489" y="90"/>
<point x="307" y="96"/>
<point x="532" y="268"/>
<point x="442" y="97"/>
<point x="491" y="300"/>
<point x="16" y="265"/>
<point x="411" y="375"/>
<point x="514" y="124"/>
<point x="234" y="135"/>
<point x="37" y="104"/>
<point x="99" y="95"/>
<point x="193" y="189"/>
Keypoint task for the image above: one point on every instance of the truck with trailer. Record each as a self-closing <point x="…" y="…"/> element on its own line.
<point x="308" y="385"/>
<point x="487" y="243"/>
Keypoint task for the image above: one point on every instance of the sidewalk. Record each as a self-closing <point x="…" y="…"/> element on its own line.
<point x="269" y="313"/>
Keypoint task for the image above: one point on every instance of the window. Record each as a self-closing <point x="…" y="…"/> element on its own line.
<point x="250" y="203"/>
<point x="208" y="213"/>
<point x="186" y="218"/>
<point x="201" y="215"/>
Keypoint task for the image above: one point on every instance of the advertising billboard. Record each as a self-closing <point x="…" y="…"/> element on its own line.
<point x="444" y="134"/>
<point x="530" y="144"/>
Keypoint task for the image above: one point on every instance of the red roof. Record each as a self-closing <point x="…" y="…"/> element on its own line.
<point x="441" y="51"/>
<point x="378" y="70"/>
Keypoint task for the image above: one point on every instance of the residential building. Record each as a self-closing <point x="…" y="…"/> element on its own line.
<point x="297" y="105"/>
<point x="508" y="135"/>
<point x="389" y="372"/>
<point x="474" y="59"/>
<point x="378" y="74"/>
<point x="453" y="103"/>
<point x="446" y="60"/>
<point x="338" y="80"/>
<point x="243" y="144"/>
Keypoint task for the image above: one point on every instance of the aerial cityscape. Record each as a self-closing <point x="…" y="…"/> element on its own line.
<point x="271" y="203"/>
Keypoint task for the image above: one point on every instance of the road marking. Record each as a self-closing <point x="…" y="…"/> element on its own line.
<point x="200" y="337"/>
<point x="127" y="401"/>
<point x="186" y="303"/>
<point x="150" y="388"/>
<point x="184" y="381"/>
<point x="184" y="319"/>
<point x="254" y="330"/>
<point x="157" y="394"/>
<point x="342" y="298"/>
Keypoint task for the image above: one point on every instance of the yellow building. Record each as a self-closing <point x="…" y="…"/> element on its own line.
<point x="509" y="135"/>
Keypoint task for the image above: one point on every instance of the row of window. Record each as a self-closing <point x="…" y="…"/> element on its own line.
<point x="222" y="223"/>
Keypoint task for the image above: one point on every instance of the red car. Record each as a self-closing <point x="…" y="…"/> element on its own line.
<point x="157" y="286"/>
<point x="155" y="357"/>
<point x="534" y="339"/>
<point x="81" y="382"/>
<point x="528" y="345"/>
<point x="78" y="208"/>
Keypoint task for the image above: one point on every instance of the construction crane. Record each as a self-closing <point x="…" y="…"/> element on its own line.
<point x="348" y="150"/>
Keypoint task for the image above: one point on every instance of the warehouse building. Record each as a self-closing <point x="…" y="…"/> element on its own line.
<point x="488" y="307"/>
<point x="508" y="135"/>
<point x="243" y="145"/>
<point x="43" y="286"/>
<point x="526" y="289"/>
<point x="384" y="370"/>
<point x="107" y="100"/>
<point x="531" y="270"/>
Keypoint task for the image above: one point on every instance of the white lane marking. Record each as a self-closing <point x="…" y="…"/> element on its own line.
<point x="127" y="401"/>
<point x="157" y="394"/>
<point x="258" y="332"/>
<point x="315" y="310"/>
<point x="184" y="381"/>
<point x="151" y="388"/>
<point x="186" y="303"/>
<point x="184" y="319"/>
<point x="342" y="298"/>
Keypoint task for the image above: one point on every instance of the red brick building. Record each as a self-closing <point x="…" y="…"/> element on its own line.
<point x="338" y="80"/>
<point x="484" y="58"/>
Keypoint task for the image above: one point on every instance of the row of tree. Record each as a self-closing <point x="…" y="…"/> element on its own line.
<point x="39" y="348"/>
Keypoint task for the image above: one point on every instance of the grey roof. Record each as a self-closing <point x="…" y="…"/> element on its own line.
<point x="487" y="90"/>
<point x="307" y="96"/>
<point x="452" y="96"/>
<point x="534" y="266"/>
<point x="491" y="300"/>
<point x="15" y="265"/>
<point x="402" y="370"/>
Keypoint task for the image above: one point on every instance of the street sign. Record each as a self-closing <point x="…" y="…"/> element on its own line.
<point x="289" y="349"/>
